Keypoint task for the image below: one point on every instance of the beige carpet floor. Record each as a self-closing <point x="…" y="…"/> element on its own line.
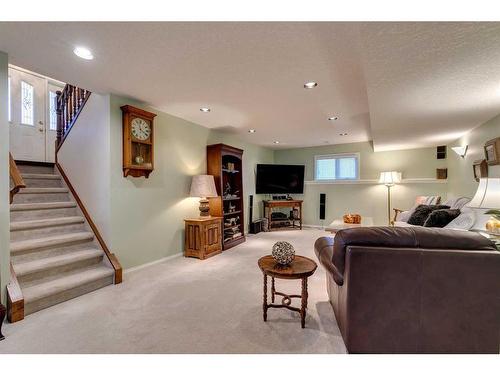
<point x="186" y="305"/>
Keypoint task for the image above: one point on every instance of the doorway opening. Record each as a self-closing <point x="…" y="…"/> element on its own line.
<point x="32" y="115"/>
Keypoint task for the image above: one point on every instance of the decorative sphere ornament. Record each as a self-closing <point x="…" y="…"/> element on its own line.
<point x="283" y="253"/>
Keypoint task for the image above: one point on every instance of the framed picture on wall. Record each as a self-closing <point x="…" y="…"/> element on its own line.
<point x="480" y="169"/>
<point x="492" y="151"/>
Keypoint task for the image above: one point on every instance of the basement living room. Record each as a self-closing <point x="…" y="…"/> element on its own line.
<point x="244" y="188"/>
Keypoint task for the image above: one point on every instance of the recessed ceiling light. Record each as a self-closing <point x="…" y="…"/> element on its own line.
<point x="310" y="85"/>
<point x="251" y="131"/>
<point x="205" y="109"/>
<point x="343" y="134"/>
<point x="276" y="142"/>
<point x="333" y="118"/>
<point x="83" y="53"/>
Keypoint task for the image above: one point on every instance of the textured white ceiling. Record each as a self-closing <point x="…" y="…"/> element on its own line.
<point x="401" y="84"/>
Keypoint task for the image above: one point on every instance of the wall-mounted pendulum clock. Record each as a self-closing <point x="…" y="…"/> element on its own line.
<point x="138" y="142"/>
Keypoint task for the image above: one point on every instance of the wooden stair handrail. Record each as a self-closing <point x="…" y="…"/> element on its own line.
<point x="69" y="103"/>
<point x="111" y="256"/>
<point x="16" y="177"/>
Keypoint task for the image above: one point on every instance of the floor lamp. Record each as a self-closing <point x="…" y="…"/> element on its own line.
<point x="389" y="179"/>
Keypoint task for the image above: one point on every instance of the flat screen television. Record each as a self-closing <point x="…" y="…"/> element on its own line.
<point x="279" y="179"/>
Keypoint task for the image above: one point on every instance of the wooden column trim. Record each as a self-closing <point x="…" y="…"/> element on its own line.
<point x="15" y="299"/>
<point x="111" y="256"/>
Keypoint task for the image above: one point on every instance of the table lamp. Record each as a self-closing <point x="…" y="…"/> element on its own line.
<point x="389" y="179"/>
<point x="488" y="197"/>
<point x="203" y="187"/>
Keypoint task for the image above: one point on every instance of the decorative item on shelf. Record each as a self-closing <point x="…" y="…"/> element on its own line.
<point x="480" y="169"/>
<point x="352" y="219"/>
<point x="283" y="252"/>
<point x="231" y="208"/>
<point x="227" y="190"/>
<point x="138" y="141"/>
<point x="203" y="186"/>
<point x="460" y="150"/>
<point x="230" y="167"/>
<point x="488" y="197"/>
<point x="390" y="179"/>
<point x="492" y="151"/>
<point x="231" y="222"/>
<point x="442" y="173"/>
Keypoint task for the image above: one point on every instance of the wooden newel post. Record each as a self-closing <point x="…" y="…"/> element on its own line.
<point x="59" y="114"/>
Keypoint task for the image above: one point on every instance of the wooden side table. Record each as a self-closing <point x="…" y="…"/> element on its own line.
<point x="203" y="237"/>
<point x="301" y="268"/>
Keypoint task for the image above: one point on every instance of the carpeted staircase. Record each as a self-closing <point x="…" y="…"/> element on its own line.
<point x="53" y="250"/>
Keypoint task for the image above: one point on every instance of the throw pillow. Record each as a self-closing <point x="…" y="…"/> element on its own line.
<point x="421" y="213"/>
<point x="464" y="221"/>
<point x="441" y="218"/>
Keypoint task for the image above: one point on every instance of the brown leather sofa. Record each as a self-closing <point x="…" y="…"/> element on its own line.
<point x="413" y="290"/>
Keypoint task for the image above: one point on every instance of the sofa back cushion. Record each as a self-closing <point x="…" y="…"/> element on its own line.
<point x="457" y="203"/>
<point x="405" y="237"/>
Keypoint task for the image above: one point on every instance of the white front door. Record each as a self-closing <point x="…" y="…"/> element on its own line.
<point x="32" y="125"/>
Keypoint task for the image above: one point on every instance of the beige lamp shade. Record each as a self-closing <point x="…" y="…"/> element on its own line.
<point x="487" y="194"/>
<point x="390" y="178"/>
<point x="203" y="186"/>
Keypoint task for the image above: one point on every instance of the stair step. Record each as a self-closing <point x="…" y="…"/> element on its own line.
<point x="41" y="206"/>
<point x="44" y="264"/>
<point x="18" y="247"/>
<point x="39" y="190"/>
<point x="45" y="294"/>
<point x="45" y="223"/>
<point x="40" y="176"/>
<point x="47" y="168"/>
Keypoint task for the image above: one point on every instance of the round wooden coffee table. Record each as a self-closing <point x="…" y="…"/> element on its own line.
<point x="300" y="268"/>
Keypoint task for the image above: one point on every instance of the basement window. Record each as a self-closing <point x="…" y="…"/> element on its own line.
<point x="336" y="167"/>
<point x="26" y="103"/>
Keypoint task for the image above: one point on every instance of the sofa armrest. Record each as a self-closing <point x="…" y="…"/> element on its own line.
<point x="323" y="247"/>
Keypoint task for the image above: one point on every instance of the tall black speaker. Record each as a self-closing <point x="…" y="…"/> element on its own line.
<point x="250" y="212"/>
<point x="322" y="206"/>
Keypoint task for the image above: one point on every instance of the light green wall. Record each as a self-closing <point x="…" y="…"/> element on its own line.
<point x="4" y="178"/>
<point x="460" y="173"/>
<point x="416" y="163"/>
<point x="147" y="214"/>
<point x="367" y="199"/>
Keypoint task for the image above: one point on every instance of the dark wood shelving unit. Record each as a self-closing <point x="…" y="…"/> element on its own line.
<point x="229" y="182"/>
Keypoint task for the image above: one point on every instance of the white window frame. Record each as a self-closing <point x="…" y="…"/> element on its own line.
<point x="338" y="156"/>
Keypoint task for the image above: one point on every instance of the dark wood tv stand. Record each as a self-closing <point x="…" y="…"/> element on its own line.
<point x="268" y="209"/>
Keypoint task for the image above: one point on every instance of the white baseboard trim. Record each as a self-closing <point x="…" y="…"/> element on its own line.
<point x="145" y="265"/>
<point x="314" y="226"/>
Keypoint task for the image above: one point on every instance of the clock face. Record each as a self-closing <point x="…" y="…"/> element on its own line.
<point x="140" y="129"/>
